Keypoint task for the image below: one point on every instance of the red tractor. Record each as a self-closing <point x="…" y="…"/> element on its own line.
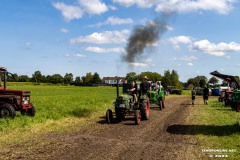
<point x="13" y="100"/>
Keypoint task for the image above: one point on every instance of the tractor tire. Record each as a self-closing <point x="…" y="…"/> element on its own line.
<point x="160" y="105"/>
<point x="109" y="116"/>
<point x="238" y="108"/>
<point x="145" y="109"/>
<point x="7" y="111"/>
<point x="31" y="111"/>
<point x="137" y="117"/>
<point x="163" y="104"/>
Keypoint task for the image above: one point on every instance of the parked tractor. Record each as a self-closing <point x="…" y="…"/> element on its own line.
<point x="125" y="105"/>
<point x="14" y="100"/>
<point x="157" y="97"/>
<point x="231" y="98"/>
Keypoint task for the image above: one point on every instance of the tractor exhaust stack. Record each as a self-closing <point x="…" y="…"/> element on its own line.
<point x="117" y="88"/>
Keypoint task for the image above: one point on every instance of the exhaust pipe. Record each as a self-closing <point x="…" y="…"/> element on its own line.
<point x="5" y="80"/>
<point x="117" y="88"/>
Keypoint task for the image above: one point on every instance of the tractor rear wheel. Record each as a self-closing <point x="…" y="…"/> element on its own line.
<point x="145" y="109"/>
<point x="137" y="117"/>
<point x="31" y="111"/>
<point x="109" y="116"/>
<point x="7" y="111"/>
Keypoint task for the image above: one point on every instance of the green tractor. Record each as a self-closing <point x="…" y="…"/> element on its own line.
<point x="235" y="105"/>
<point x="125" y="105"/>
<point x="157" y="97"/>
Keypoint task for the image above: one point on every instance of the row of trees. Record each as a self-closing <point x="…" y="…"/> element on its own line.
<point x="201" y="81"/>
<point x="170" y="78"/>
<point x="37" y="77"/>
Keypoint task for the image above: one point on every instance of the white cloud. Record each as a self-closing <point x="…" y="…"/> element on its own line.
<point x="148" y="60"/>
<point x="215" y="49"/>
<point x="69" y="12"/>
<point x="93" y="6"/>
<point x="64" y="30"/>
<point x="184" y="58"/>
<point x="228" y="57"/>
<point x="170" y="28"/>
<point x="67" y="55"/>
<point x="188" y="58"/>
<point x="114" y="21"/>
<point x="79" y="55"/>
<point x="190" y="64"/>
<point x="180" y="40"/>
<point x="140" y="3"/>
<point x="104" y="50"/>
<point x="75" y="55"/>
<point x="173" y="59"/>
<point x="220" y="6"/>
<point x="103" y="37"/>
<point x="136" y="64"/>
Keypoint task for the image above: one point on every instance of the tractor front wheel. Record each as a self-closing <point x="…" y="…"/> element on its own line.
<point x="163" y="103"/>
<point x="160" y="104"/>
<point x="109" y="116"/>
<point x="7" y="111"/>
<point x="137" y="117"/>
<point x="31" y="111"/>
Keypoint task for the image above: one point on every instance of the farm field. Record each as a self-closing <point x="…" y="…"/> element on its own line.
<point x="70" y="124"/>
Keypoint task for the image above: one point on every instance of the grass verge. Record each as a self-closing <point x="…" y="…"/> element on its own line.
<point x="217" y="130"/>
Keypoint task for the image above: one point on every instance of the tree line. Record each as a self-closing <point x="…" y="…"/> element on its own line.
<point x="170" y="78"/>
<point x="68" y="78"/>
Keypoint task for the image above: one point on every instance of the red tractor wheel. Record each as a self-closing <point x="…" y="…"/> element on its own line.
<point x="145" y="110"/>
<point x="137" y="117"/>
<point x="109" y="116"/>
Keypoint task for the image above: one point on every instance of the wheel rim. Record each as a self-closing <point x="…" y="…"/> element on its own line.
<point x="5" y="112"/>
<point x="138" y="117"/>
<point x="147" y="109"/>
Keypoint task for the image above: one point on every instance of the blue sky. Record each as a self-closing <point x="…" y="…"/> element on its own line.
<point x="80" y="36"/>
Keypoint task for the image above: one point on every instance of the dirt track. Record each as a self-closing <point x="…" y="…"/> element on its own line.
<point x="149" y="140"/>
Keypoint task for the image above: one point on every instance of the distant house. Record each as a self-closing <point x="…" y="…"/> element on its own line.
<point x="113" y="80"/>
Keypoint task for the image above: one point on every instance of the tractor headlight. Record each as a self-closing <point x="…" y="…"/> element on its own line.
<point x="25" y="102"/>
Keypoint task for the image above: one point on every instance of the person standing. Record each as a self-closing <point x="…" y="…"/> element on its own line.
<point x="205" y="94"/>
<point x="193" y="95"/>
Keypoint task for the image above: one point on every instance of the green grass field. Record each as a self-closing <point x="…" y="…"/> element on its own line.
<point x="217" y="127"/>
<point x="57" y="108"/>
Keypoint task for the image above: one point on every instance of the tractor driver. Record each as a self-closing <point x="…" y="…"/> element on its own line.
<point x="145" y="86"/>
<point x="132" y="90"/>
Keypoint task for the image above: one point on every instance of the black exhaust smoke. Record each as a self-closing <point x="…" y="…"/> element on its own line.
<point x="144" y="36"/>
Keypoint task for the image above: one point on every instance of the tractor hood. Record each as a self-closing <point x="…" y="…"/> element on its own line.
<point x="14" y="92"/>
<point x="124" y="97"/>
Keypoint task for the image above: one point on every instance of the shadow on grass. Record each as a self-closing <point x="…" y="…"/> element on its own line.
<point x="225" y="130"/>
<point x="83" y="112"/>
